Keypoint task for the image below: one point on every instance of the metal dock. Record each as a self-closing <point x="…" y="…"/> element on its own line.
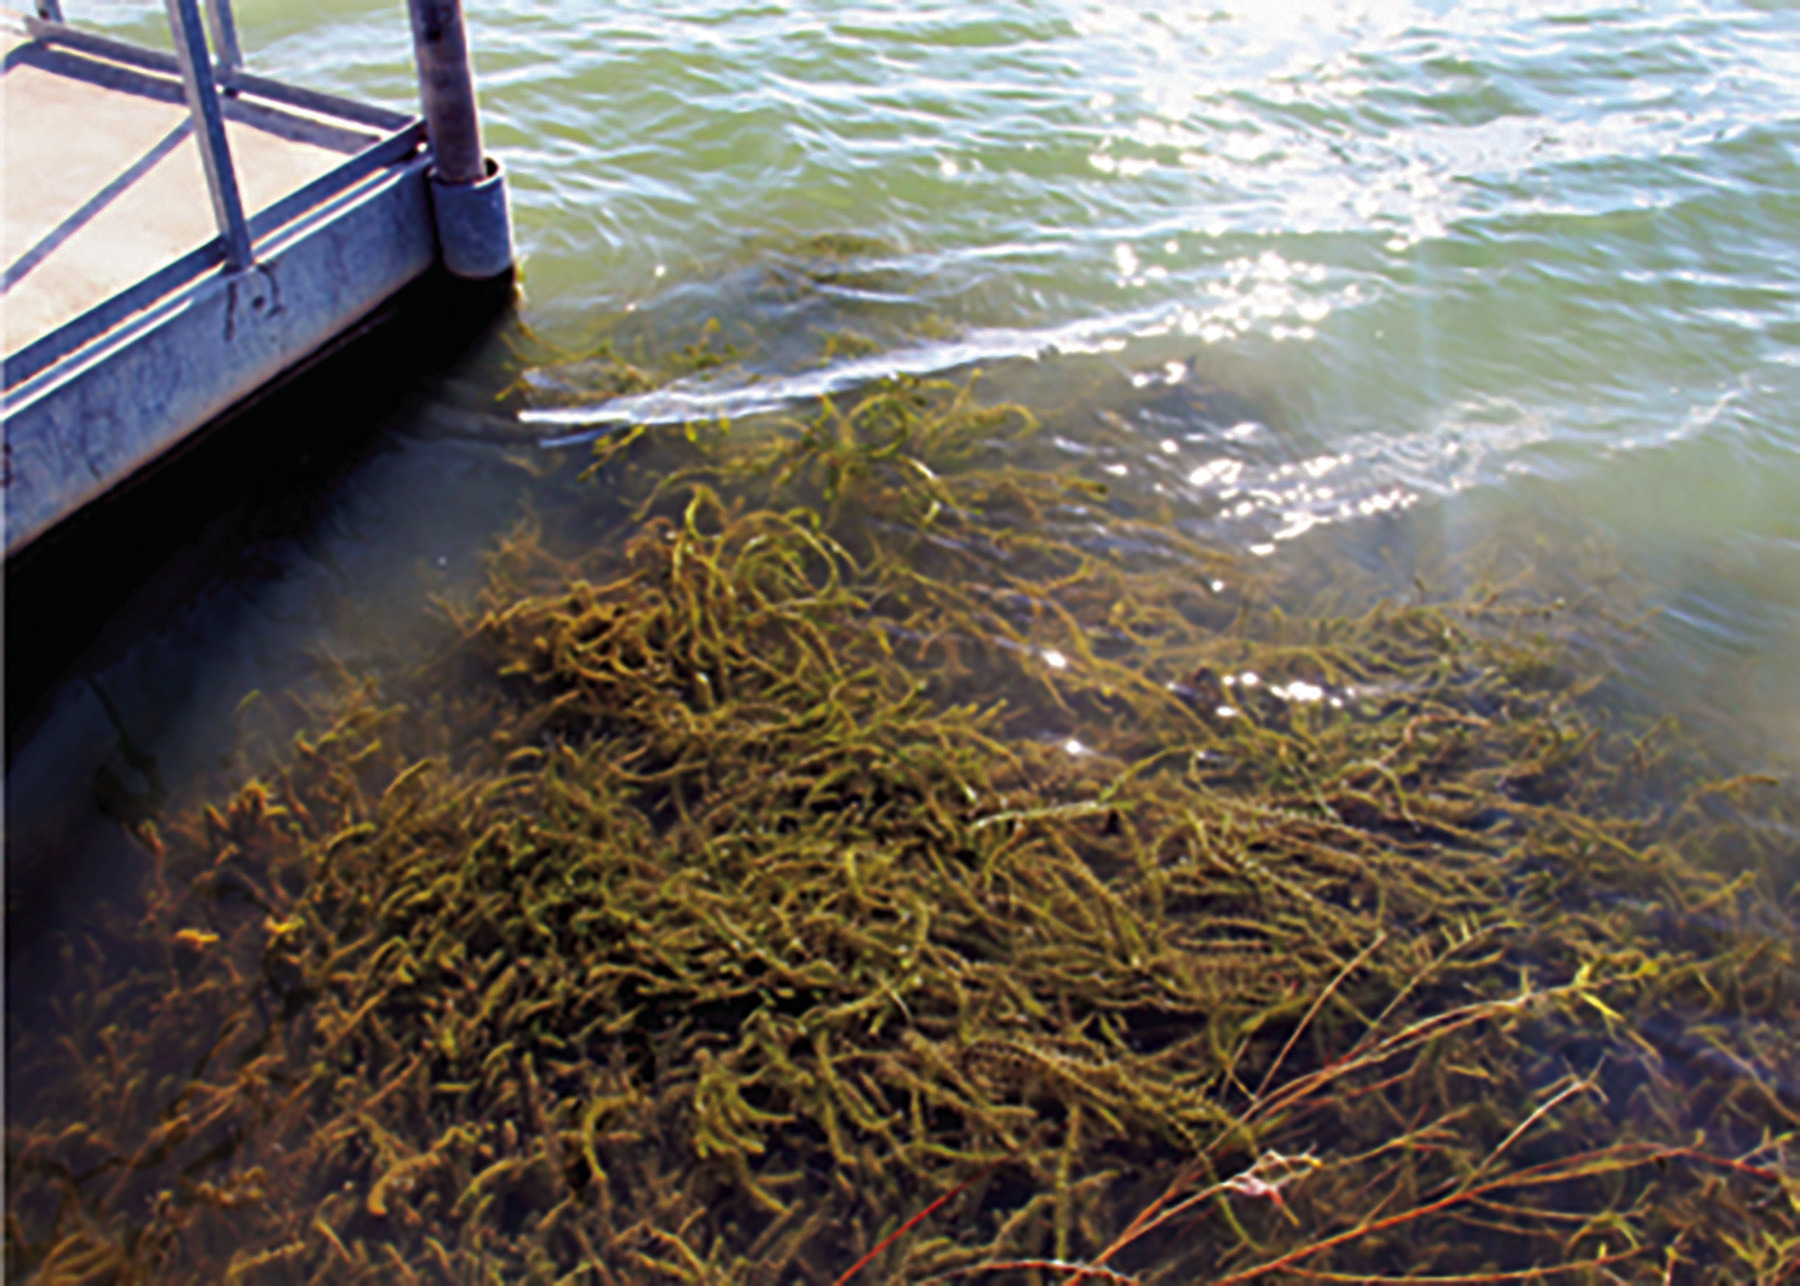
<point x="180" y="232"/>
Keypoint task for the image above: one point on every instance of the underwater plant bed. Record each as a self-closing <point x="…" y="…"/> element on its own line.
<point x="878" y="855"/>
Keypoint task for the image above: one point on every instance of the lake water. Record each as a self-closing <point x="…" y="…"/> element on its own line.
<point x="1490" y="259"/>
<point x="1378" y="290"/>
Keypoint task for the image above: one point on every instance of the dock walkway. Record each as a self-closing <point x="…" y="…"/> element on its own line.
<point x="164" y="262"/>
<point x="104" y="183"/>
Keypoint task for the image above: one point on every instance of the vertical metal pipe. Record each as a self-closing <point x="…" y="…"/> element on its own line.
<point x="224" y="35"/>
<point x="447" y="87"/>
<point x="209" y="131"/>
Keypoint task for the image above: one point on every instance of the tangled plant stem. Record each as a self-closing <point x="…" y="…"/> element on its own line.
<point x="861" y="825"/>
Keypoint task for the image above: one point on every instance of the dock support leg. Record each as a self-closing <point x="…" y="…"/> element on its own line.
<point x="468" y="190"/>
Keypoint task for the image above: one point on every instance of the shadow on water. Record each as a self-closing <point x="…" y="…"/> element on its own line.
<point x="209" y="514"/>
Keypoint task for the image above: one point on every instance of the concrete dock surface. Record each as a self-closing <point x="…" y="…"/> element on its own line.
<point x="131" y="326"/>
<point x="103" y="183"/>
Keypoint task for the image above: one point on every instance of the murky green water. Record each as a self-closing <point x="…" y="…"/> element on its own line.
<point x="1373" y="291"/>
<point x="1488" y="259"/>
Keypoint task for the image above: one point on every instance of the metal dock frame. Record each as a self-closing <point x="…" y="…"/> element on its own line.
<point x="92" y="403"/>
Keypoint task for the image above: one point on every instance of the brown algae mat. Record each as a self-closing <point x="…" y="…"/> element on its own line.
<point x="856" y="867"/>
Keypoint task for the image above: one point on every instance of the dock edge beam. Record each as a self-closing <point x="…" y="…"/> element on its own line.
<point x="468" y="189"/>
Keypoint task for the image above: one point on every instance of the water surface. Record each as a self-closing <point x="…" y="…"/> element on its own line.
<point x="1484" y="257"/>
<point x="1393" y="289"/>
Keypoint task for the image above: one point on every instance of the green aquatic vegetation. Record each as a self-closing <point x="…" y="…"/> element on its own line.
<point x="834" y="261"/>
<point x="890" y="859"/>
<point x="619" y="364"/>
<point x="847" y="342"/>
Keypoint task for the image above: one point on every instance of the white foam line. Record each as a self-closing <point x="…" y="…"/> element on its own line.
<point x="711" y="397"/>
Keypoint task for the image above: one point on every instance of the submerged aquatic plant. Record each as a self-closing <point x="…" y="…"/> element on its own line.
<point x="885" y="858"/>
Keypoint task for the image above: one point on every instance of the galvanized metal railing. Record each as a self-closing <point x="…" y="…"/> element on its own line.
<point x="200" y="78"/>
<point x="102" y="395"/>
<point x="209" y="121"/>
<point x="474" y="225"/>
<point x="225" y="38"/>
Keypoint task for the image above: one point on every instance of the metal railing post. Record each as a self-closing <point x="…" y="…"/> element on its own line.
<point x="468" y="189"/>
<point x="209" y="131"/>
<point x="224" y="35"/>
<point x="447" y="86"/>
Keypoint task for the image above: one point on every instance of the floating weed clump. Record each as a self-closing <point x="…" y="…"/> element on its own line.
<point x="884" y="861"/>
